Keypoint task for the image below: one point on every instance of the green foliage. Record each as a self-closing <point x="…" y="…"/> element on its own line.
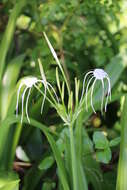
<point x="9" y="180"/>
<point x="48" y="186"/>
<point x="115" y="141"/>
<point x="102" y="145"/>
<point x="104" y="156"/>
<point x="100" y="140"/>
<point x="46" y="163"/>
<point x="62" y="148"/>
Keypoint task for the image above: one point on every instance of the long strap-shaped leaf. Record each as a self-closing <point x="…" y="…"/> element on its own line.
<point x="4" y="46"/>
<point x="122" y="167"/>
<point x="62" y="173"/>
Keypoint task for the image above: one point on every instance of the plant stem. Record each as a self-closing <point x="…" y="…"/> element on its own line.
<point x="122" y="167"/>
<point x="73" y="159"/>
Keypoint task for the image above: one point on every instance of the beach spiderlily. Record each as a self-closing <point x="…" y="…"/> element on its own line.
<point x="97" y="74"/>
<point x="29" y="82"/>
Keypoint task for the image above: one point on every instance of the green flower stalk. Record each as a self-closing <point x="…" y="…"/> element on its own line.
<point x="122" y="166"/>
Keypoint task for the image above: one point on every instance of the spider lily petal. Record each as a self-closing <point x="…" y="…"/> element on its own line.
<point x="28" y="83"/>
<point x="92" y="95"/>
<point x="27" y="105"/>
<point x="23" y="95"/>
<point x="97" y="74"/>
<point x="84" y="81"/>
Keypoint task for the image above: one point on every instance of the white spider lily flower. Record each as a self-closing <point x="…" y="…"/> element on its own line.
<point x="29" y="82"/>
<point x="97" y="74"/>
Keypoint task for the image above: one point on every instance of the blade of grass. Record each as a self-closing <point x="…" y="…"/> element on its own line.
<point x="122" y="166"/>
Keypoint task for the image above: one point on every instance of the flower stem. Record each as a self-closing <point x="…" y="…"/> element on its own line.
<point x="122" y="166"/>
<point x="73" y="159"/>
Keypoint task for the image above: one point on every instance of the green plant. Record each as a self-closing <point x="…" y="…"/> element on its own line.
<point x="57" y="151"/>
<point x="69" y="115"/>
<point x="102" y="145"/>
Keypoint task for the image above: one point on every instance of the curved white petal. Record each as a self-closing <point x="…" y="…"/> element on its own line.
<point x="17" y="102"/>
<point x="83" y="88"/>
<point x="109" y="93"/>
<point x="102" y="95"/>
<point x="92" y="94"/>
<point x="23" y="95"/>
<point x="27" y="100"/>
<point x="87" y="91"/>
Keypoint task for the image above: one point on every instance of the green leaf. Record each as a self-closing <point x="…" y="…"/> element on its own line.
<point x="9" y="34"/>
<point x="61" y="110"/>
<point x="58" y="80"/>
<point x="109" y="180"/>
<point x="91" y="166"/>
<point x="46" y="163"/>
<point x="48" y="186"/>
<point x="104" y="156"/>
<point x="115" y="142"/>
<point x="35" y="174"/>
<point x="100" y="140"/>
<point x="35" y="140"/>
<point x="8" y="86"/>
<point x="8" y="100"/>
<point x="61" y="145"/>
<point x="9" y="181"/>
